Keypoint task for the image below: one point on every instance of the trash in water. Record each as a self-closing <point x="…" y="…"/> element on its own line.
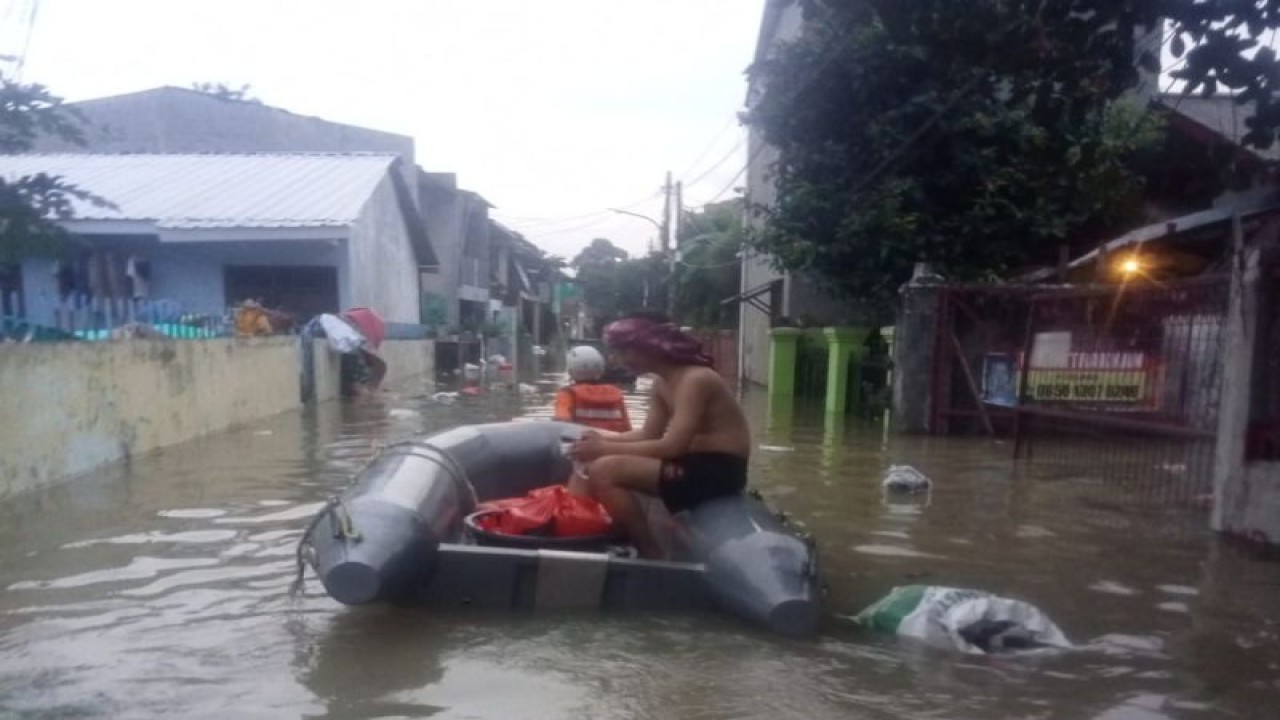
<point x="777" y="448"/>
<point x="904" y="478"/>
<point x="262" y="433"/>
<point x="445" y="398"/>
<point x="527" y="389"/>
<point x="972" y="621"/>
<point x="402" y="413"/>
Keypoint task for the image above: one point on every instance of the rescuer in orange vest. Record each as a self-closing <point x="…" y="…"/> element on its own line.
<point x="587" y="401"/>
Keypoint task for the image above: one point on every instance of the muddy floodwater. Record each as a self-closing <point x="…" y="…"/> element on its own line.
<point x="160" y="589"/>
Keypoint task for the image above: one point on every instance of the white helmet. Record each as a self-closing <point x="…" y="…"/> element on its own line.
<point x="585" y="364"/>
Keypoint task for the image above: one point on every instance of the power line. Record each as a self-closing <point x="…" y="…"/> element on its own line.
<point x="707" y="150"/>
<point x="575" y="228"/>
<point x="548" y="221"/>
<point x="732" y="151"/>
<point x="26" y="43"/>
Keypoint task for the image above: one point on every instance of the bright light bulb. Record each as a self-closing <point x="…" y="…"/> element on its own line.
<point x="1130" y="266"/>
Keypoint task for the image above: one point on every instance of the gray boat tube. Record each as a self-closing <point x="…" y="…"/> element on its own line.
<point x="379" y="542"/>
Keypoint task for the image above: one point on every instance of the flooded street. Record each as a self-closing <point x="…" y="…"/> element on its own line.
<point x="160" y="589"/>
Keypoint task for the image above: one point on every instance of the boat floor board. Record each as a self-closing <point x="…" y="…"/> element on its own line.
<point x="492" y="577"/>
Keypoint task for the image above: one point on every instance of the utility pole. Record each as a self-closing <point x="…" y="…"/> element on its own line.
<point x="665" y="232"/>
<point x="675" y="252"/>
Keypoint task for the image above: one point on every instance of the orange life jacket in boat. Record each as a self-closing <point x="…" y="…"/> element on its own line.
<point x="595" y="405"/>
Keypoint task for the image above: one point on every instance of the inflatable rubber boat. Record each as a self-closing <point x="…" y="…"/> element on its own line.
<point x="404" y="533"/>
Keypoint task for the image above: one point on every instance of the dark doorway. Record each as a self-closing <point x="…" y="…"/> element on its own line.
<point x="303" y="291"/>
<point x="11" y="300"/>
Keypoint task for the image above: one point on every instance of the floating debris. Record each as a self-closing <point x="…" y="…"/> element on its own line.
<point x="904" y="478"/>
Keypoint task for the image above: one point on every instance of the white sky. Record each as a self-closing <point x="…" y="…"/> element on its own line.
<point x="552" y="109"/>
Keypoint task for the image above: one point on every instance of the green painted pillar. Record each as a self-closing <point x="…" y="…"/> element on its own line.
<point x="781" y="415"/>
<point x="833" y="459"/>
<point x="782" y="361"/>
<point x="843" y="344"/>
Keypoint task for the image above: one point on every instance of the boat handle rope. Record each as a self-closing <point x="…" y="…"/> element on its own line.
<point x="450" y="465"/>
<point x="344" y="527"/>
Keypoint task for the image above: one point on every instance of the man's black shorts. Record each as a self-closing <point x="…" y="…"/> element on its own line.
<point x="688" y="481"/>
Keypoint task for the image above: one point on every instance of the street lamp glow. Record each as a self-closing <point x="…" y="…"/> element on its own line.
<point x="1130" y="266"/>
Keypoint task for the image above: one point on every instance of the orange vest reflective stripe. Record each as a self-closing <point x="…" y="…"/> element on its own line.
<point x="597" y="406"/>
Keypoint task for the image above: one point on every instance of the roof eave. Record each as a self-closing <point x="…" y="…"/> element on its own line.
<point x="238" y="233"/>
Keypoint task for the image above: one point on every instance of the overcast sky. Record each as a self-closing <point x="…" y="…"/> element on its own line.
<point x="554" y="110"/>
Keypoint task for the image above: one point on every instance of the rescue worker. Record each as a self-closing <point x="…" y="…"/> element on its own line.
<point x="588" y="401"/>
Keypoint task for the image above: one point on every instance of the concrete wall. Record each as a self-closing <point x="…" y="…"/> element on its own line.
<point x="70" y="408"/>
<point x="67" y="409"/>
<point x="753" y="325"/>
<point x="411" y="364"/>
<point x="384" y="270"/>
<point x="1246" y="494"/>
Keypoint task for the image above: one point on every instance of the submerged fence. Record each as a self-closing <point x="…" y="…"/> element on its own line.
<point x="85" y="318"/>
<point x="1122" y="384"/>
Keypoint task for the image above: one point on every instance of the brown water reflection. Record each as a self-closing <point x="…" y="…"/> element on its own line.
<point x="159" y="590"/>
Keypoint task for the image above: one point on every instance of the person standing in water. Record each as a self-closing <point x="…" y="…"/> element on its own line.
<point x="695" y="442"/>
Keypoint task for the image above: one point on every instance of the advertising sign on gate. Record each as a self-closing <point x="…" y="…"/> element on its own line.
<point x="1125" y="379"/>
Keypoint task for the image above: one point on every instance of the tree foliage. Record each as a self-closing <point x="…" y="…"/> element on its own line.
<point x="709" y="269"/>
<point x="224" y="91"/>
<point x="614" y="283"/>
<point x="31" y="205"/>
<point x="979" y="135"/>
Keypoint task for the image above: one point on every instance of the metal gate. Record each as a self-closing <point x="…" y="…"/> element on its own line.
<point x="1121" y="384"/>
<point x="979" y="330"/>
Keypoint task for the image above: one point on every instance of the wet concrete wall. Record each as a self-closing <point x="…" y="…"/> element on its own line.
<point x="409" y="359"/>
<point x="69" y="408"/>
<point x="913" y="357"/>
<point x="383" y="268"/>
<point x="1246" y="493"/>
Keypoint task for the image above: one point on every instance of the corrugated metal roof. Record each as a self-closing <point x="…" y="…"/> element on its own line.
<point x="194" y="191"/>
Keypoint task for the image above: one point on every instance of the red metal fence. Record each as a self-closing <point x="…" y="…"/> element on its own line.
<point x="722" y="346"/>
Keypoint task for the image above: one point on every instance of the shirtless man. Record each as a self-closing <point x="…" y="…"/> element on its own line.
<point x="695" y="441"/>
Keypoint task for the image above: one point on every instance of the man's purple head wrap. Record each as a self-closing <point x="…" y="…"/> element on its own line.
<point x="660" y="339"/>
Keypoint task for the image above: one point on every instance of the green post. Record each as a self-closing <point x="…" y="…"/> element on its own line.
<point x="843" y="344"/>
<point x="782" y="361"/>
<point x="781" y="415"/>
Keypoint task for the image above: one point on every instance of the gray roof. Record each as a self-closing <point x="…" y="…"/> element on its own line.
<point x="194" y="191"/>
<point x="1218" y="113"/>
<point x="177" y="120"/>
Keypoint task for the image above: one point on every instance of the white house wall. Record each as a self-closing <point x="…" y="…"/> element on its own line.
<point x="384" y="270"/>
<point x="783" y="21"/>
<point x="442" y="212"/>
